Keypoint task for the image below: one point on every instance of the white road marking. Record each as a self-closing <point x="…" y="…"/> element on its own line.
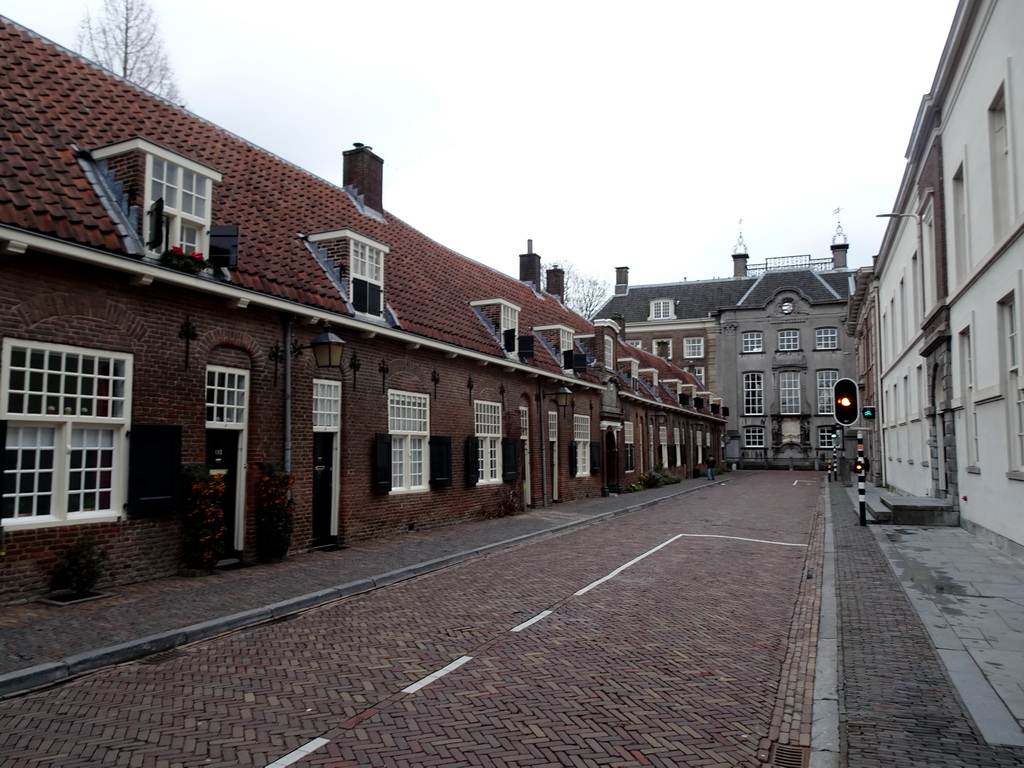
<point x="298" y="754"/>
<point x="436" y="675"/>
<point x="534" y="620"/>
<point x="795" y="482"/>
<point x="621" y="568"/>
<point x="739" y="538"/>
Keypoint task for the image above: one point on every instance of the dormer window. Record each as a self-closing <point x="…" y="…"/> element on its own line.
<point x="662" y="309"/>
<point x="178" y="193"/>
<point x="358" y="261"/>
<point x="504" y="317"/>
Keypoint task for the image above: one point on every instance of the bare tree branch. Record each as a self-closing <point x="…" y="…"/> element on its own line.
<point x="126" y="40"/>
<point x="583" y="293"/>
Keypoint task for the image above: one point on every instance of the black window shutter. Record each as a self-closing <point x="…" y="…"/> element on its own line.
<point x="224" y="245"/>
<point x="725" y="410"/>
<point x="573" y="451"/>
<point x="567" y="358"/>
<point x="440" y="461"/>
<point x="359" y="294"/>
<point x="154" y="469"/>
<point x="156" y="225"/>
<point x="509" y="459"/>
<point x="472" y="460"/>
<point x="595" y="457"/>
<point x="698" y="403"/>
<point x="382" y="463"/>
<point x="510" y="339"/>
<point x="715" y="407"/>
<point x="684" y="399"/>
<point x="672" y="455"/>
<point x="526" y="346"/>
<point x="373" y="297"/>
<point x="579" y="363"/>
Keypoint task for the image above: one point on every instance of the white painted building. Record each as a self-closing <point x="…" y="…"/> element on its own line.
<point x="950" y="285"/>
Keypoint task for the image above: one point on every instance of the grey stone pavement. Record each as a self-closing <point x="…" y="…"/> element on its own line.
<point x="920" y="655"/>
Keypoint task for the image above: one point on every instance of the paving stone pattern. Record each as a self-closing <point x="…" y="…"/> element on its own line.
<point x="898" y="707"/>
<point x="677" y="660"/>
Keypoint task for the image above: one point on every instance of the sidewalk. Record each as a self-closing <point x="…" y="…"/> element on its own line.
<point x="42" y="644"/>
<point x="931" y="643"/>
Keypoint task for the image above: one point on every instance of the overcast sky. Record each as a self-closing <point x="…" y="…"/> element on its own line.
<point x="611" y="134"/>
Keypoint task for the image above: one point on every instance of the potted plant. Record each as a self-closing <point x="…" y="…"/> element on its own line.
<point x="275" y="513"/>
<point x="192" y="262"/>
<point x="84" y="563"/>
<point x="203" y="525"/>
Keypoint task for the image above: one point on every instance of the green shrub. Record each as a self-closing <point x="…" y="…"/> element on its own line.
<point x="83" y="565"/>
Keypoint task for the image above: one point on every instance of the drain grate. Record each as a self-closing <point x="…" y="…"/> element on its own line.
<point x="788" y="756"/>
<point x="160" y="658"/>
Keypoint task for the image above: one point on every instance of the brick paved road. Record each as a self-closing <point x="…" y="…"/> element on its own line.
<point x="675" y="660"/>
<point x="898" y="707"/>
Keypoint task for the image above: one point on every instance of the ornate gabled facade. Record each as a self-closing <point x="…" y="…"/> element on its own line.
<point x="770" y="341"/>
<point x="124" y="357"/>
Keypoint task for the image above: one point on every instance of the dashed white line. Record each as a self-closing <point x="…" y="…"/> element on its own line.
<point x="298" y="754"/>
<point x="436" y="675"/>
<point x="621" y="568"/>
<point x="534" y="620"/>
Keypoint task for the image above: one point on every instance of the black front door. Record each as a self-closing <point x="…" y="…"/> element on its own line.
<point x="323" y="488"/>
<point x="222" y="456"/>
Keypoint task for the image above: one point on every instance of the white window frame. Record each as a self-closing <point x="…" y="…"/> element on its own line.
<point x="367" y="261"/>
<point x="698" y="371"/>
<point x="663" y="445"/>
<point x="753" y="393"/>
<point x="629" y="446"/>
<point x="826" y="338"/>
<point x="581" y="436"/>
<point x="825" y="437"/>
<point x="679" y="446"/>
<point x="326" y="405"/>
<point x="789" y="393"/>
<point x="663" y="309"/>
<point x="409" y="427"/>
<point x="656" y="343"/>
<point x="753" y="437"/>
<point x="510" y="322"/>
<point x="753" y="341"/>
<point x="826" y="380"/>
<point x="609" y="353"/>
<point x="789" y="340"/>
<point x="693" y="347"/>
<point x="229" y="407"/>
<point x="80" y="433"/>
<point x="487" y="428"/>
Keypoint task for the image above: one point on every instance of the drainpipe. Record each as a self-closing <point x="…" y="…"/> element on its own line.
<point x="541" y="418"/>
<point x="287" y="353"/>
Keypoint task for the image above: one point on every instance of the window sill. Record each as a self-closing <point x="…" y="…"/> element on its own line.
<point x="36" y="523"/>
<point x="1015" y="475"/>
<point x="974" y="470"/>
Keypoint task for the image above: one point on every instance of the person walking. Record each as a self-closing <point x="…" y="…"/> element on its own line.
<point x="711" y="467"/>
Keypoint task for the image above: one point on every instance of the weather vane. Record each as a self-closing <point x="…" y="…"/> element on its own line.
<point x="740" y="247"/>
<point x="839" y="228"/>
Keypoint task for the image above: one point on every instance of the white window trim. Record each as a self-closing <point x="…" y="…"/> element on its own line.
<point x="63" y="424"/>
<point x="786" y="396"/>
<point x="753" y="429"/>
<point x="795" y="335"/>
<point x="657" y="343"/>
<point x="834" y="335"/>
<point x="656" y="304"/>
<point x="329" y="395"/>
<point x="751" y="334"/>
<point x="691" y="342"/>
<point x="748" y="398"/>
<point x="401" y="439"/>
<point x="489" y="456"/>
<point x="581" y="436"/>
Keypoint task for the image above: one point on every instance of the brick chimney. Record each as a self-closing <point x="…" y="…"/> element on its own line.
<point x="556" y="282"/>
<point x="529" y="266"/>
<point x="839" y="255"/>
<point x="739" y="264"/>
<point x="621" y="281"/>
<point x="365" y="171"/>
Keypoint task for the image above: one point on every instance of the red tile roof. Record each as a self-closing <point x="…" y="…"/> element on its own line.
<point x="55" y="101"/>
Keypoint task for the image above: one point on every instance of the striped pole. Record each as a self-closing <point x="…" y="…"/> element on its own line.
<point x="860" y="477"/>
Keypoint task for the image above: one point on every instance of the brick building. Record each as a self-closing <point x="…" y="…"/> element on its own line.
<point x="120" y="364"/>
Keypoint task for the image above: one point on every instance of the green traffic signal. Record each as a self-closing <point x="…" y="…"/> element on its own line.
<point x="868" y="412"/>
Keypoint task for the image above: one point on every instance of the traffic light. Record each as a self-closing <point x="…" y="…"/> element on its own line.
<point x="868" y="412"/>
<point x="845" y="399"/>
<point x="860" y="465"/>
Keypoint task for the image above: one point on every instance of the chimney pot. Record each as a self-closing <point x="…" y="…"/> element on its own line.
<point x="621" y="281"/>
<point x="365" y="171"/>
<point x="529" y="266"/>
<point x="739" y="264"/>
<point x="839" y="251"/>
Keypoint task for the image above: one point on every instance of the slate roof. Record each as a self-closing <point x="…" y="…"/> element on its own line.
<point x="703" y="298"/>
<point x="55" y="101"/>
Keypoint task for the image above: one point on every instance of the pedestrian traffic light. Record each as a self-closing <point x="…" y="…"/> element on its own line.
<point x="845" y="399"/>
<point x="860" y="465"/>
<point x="868" y="412"/>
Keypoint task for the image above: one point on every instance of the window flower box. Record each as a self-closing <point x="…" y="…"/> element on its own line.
<point x="176" y="258"/>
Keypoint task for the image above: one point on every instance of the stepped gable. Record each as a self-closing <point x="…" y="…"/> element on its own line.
<point x="56" y="101"/>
